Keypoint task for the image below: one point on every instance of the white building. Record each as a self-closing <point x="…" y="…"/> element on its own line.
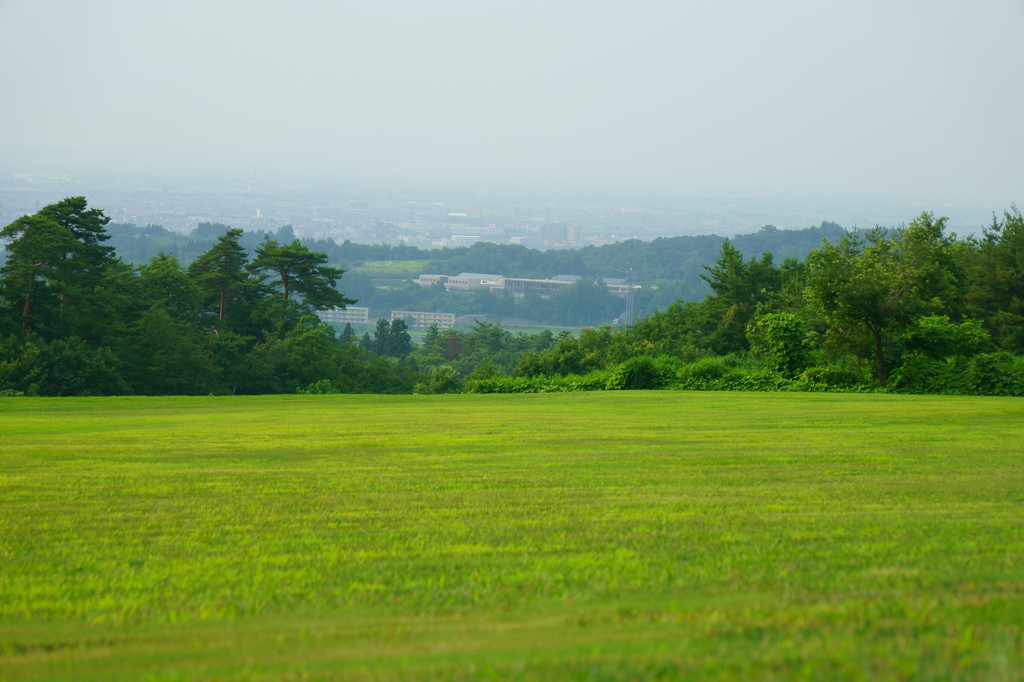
<point x="422" y="320"/>
<point x="467" y="281"/>
<point x="430" y="280"/>
<point x="346" y="315"/>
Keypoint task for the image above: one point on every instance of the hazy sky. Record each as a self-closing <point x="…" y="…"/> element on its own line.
<point x="897" y="98"/>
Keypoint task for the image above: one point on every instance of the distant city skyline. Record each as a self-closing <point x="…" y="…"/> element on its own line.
<point x="435" y="214"/>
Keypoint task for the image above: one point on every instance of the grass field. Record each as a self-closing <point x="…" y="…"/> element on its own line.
<point x="591" y="536"/>
<point x="392" y="267"/>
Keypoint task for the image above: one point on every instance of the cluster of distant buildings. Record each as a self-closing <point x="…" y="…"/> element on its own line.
<point x="471" y="281"/>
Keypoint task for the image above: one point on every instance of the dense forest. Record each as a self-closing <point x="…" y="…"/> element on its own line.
<point x="223" y="311"/>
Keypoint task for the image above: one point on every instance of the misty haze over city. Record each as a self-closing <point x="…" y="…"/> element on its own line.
<point x="642" y="120"/>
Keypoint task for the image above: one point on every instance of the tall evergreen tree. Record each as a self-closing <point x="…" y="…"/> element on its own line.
<point x="220" y="272"/>
<point x="399" y="342"/>
<point x="163" y="283"/>
<point x="738" y="288"/>
<point x="381" y="343"/>
<point x="30" y="280"/>
<point x="56" y="268"/>
<point x="297" y="270"/>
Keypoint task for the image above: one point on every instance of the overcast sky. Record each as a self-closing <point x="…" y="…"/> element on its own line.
<point x="884" y="99"/>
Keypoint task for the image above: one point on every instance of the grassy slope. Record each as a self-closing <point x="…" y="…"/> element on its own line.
<point x="392" y="267"/>
<point x="592" y="536"/>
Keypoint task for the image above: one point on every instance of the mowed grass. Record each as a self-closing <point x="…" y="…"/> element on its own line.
<point x="392" y="267"/>
<point x="592" y="536"/>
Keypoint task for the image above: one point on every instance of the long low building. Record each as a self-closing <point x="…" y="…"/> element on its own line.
<point x="543" y="287"/>
<point x="468" y="281"/>
<point x="431" y="280"/>
<point x="347" y="315"/>
<point x="422" y="320"/>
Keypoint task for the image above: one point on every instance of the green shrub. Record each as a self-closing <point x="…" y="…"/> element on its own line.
<point x="484" y="370"/>
<point x="63" y="367"/>
<point x="321" y="387"/>
<point x="703" y="371"/>
<point x="920" y="374"/>
<point x="442" y="379"/>
<point x="729" y="373"/>
<point x="640" y="372"/>
<point x="758" y="379"/>
<point x="844" y="375"/>
<point x="594" y="381"/>
<point x="996" y="374"/>
<point x="986" y="374"/>
<point x="935" y="337"/>
<point x="778" y="338"/>
<point x="709" y="374"/>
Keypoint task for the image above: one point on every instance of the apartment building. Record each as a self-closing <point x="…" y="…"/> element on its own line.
<point x="422" y="320"/>
<point x="346" y="315"/>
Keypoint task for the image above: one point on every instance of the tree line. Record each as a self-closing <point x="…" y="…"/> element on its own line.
<point x="77" y="320"/>
<point x="669" y="269"/>
<point x="911" y="309"/>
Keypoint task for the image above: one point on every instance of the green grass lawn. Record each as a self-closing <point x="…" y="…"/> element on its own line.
<point x="392" y="267"/>
<point x="591" y="536"/>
